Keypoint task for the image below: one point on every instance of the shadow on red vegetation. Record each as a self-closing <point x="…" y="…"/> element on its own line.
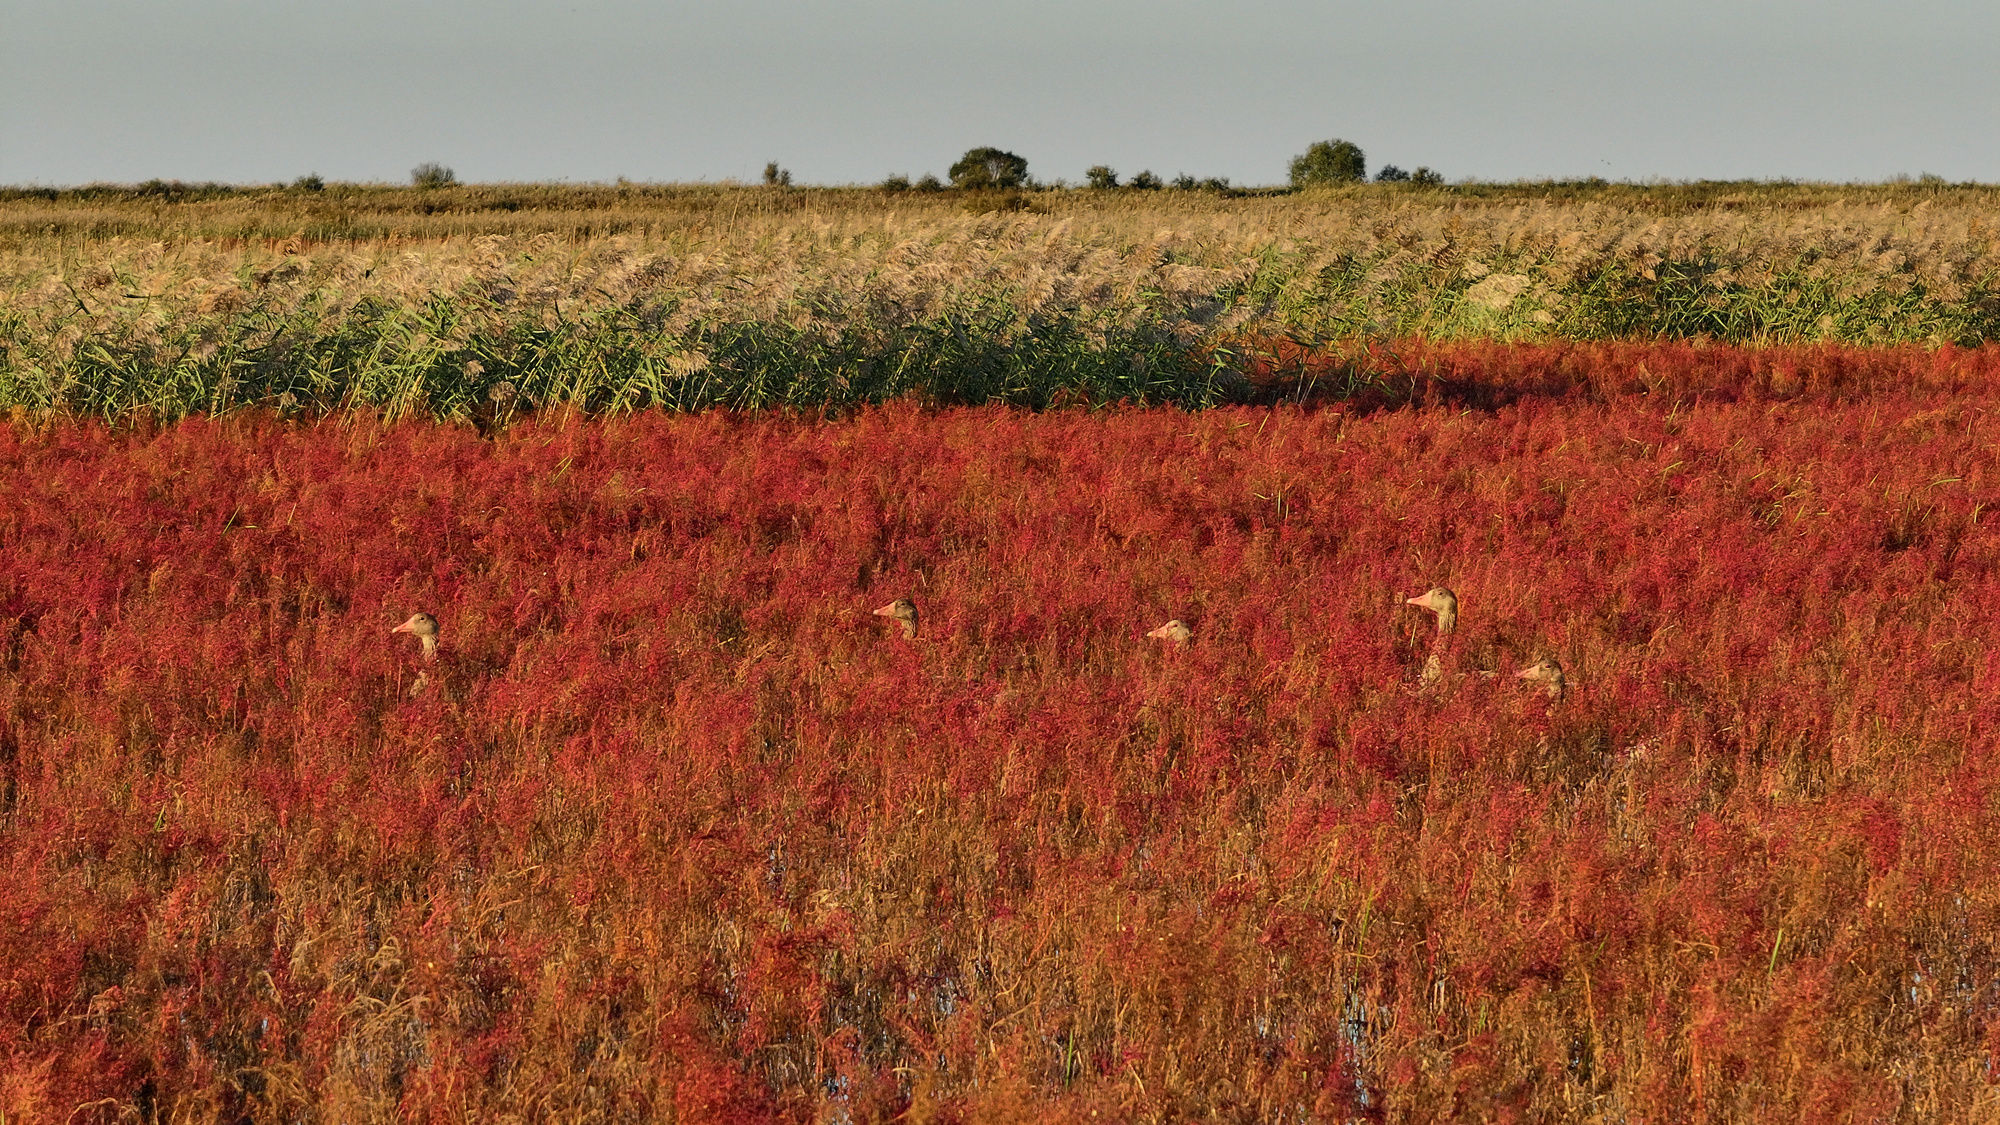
<point x="675" y="827"/>
<point x="1487" y="375"/>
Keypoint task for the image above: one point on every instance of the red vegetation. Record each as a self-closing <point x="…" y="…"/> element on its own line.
<point x="1487" y="375"/>
<point x="678" y="829"/>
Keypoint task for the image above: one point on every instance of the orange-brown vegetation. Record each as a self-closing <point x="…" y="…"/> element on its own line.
<point x="698" y="838"/>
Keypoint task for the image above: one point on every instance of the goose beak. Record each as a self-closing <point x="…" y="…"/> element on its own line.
<point x="887" y="610"/>
<point x="419" y="624"/>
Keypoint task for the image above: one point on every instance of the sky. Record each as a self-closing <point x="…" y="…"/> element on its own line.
<point x="259" y="91"/>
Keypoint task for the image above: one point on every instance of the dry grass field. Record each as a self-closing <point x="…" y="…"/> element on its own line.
<point x="620" y="298"/>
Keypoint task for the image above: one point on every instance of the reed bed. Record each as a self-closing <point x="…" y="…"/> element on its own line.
<point x="175" y="300"/>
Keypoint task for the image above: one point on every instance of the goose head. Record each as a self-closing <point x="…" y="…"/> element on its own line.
<point x="1173" y="632"/>
<point x="902" y="610"/>
<point x="1546" y="674"/>
<point x="424" y="627"/>
<point x="1442" y="602"/>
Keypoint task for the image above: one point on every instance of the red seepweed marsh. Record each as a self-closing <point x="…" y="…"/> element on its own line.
<point x="679" y="828"/>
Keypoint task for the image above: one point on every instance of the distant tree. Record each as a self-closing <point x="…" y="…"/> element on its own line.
<point x="1146" y="181"/>
<point x="1102" y="177"/>
<point x="775" y="176"/>
<point x="429" y="175"/>
<point x="896" y="183"/>
<point x="989" y="167"/>
<point x="309" y="182"/>
<point x="1184" y="182"/>
<point x="1424" y="177"/>
<point x="930" y="183"/>
<point x="1215" y="183"/>
<point x="1329" y="162"/>
<point x="1390" y="174"/>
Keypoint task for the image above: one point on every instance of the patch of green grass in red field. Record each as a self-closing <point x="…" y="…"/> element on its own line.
<point x="675" y="828"/>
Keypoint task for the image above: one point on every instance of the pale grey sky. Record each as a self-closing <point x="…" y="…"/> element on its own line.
<point x="264" y="90"/>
